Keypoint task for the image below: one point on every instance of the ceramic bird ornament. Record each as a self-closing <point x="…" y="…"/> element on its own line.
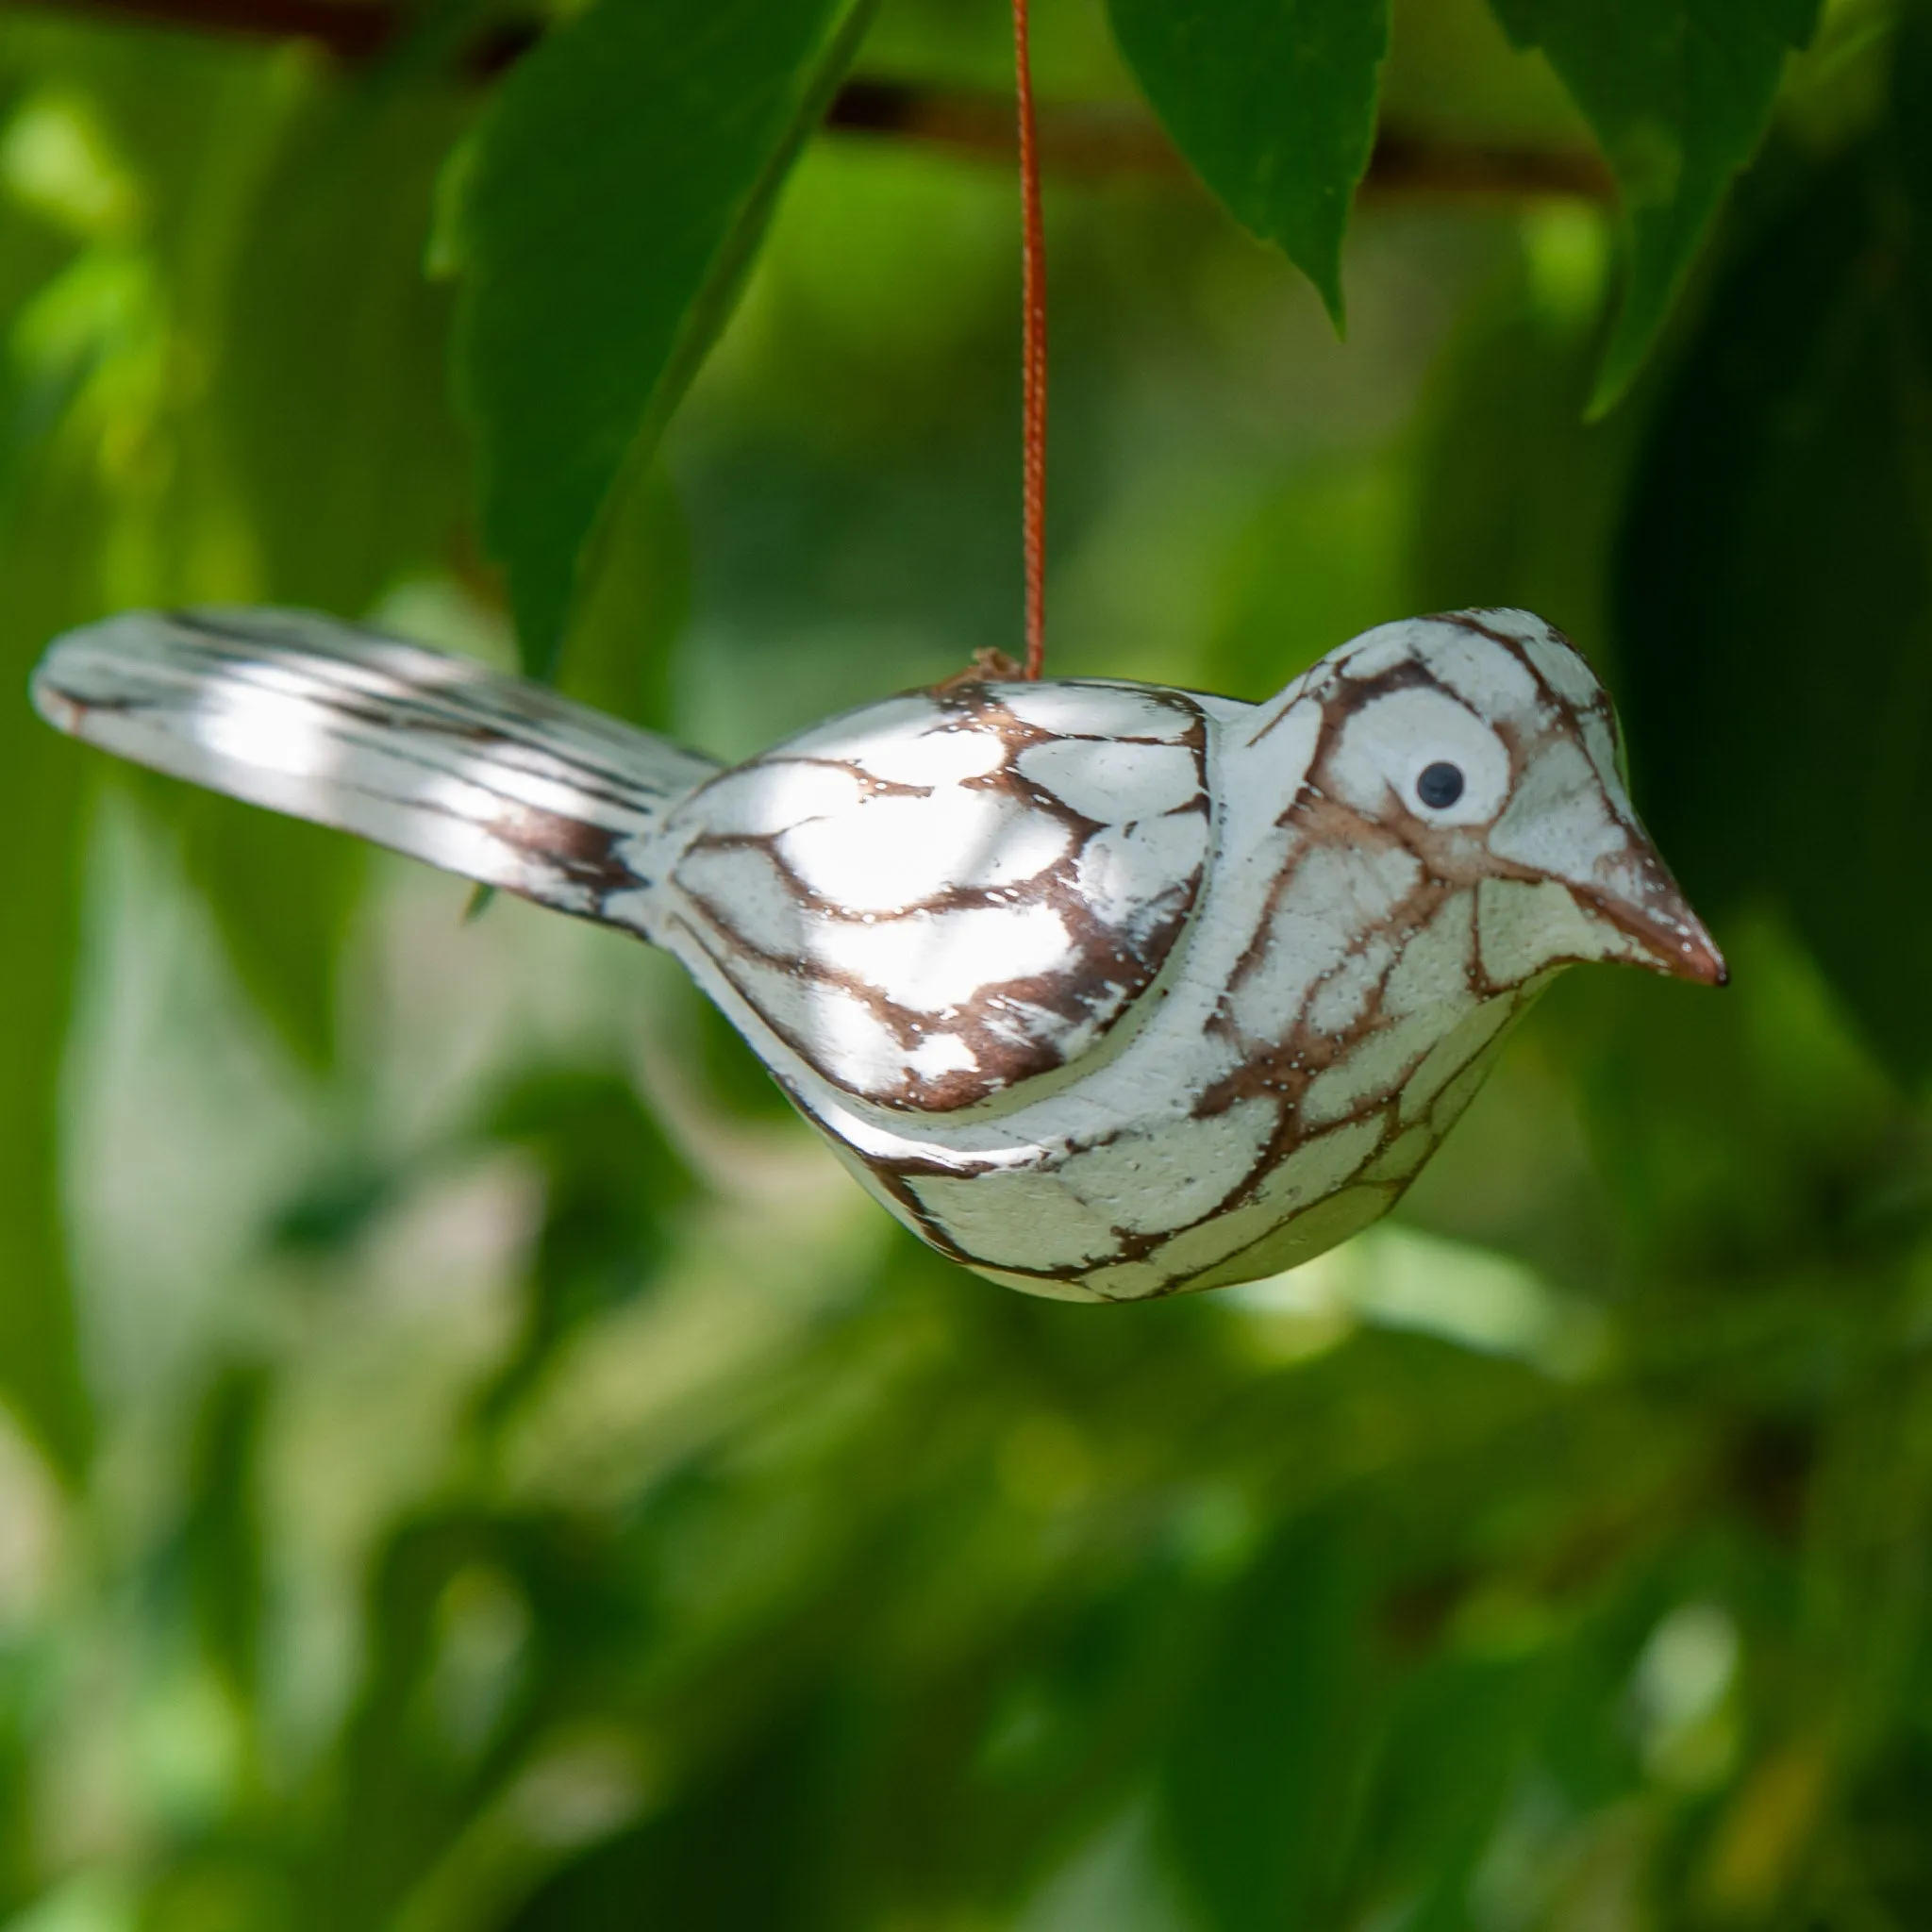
<point x="1106" y="991"/>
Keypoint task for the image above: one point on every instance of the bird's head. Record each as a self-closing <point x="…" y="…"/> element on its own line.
<point x="1482" y="743"/>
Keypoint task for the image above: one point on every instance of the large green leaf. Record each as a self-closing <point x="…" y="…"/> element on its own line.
<point x="41" y="796"/>
<point x="45" y="526"/>
<point x="613" y="1185"/>
<point x="282" y="892"/>
<point x="332" y="391"/>
<point x="45" y="531"/>
<point x="1274" y="103"/>
<point x="1262" y="1773"/>
<point x="222" y="1528"/>
<point x="1776" y="595"/>
<point x="124" y="128"/>
<point x="1517" y="497"/>
<point x="331" y="399"/>
<point x="632" y="607"/>
<point x="1678" y="93"/>
<point x="608" y="210"/>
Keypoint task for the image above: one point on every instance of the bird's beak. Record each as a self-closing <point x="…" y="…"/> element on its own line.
<point x="1640" y="898"/>
<point x="1572" y="824"/>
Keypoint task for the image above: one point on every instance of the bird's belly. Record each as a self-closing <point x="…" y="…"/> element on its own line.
<point x="1132" y="1185"/>
<point x="1264" y="1099"/>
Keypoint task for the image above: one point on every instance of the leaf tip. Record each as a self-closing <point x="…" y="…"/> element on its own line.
<point x="1622" y="358"/>
<point x="1323" y="270"/>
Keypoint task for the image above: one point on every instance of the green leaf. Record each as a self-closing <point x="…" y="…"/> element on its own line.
<point x="1261" y="1774"/>
<point x="331" y="399"/>
<point x="1775" y="607"/>
<point x="282" y="892"/>
<point x="221" y="1531"/>
<point x="1318" y="562"/>
<point x="42" y="794"/>
<point x="631" y="606"/>
<point x="615" y="195"/>
<point x="83" y="377"/>
<point x="1678" y="93"/>
<point x="1274" y="103"/>
<point x="1518" y="499"/>
<point x="46" y="512"/>
<point x="613" y="1186"/>
<point x="332" y="390"/>
<point x="682" y="1866"/>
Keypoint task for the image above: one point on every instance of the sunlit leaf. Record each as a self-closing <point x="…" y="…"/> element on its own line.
<point x="617" y="190"/>
<point x="276" y="359"/>
<point x="1273" y="104"/>
<point x="1678" y="93"/>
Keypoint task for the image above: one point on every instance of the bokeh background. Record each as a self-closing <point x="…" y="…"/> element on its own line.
<point x="471" y="1461"/>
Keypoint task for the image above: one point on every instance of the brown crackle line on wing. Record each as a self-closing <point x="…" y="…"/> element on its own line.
<point x="1113" y="962"/>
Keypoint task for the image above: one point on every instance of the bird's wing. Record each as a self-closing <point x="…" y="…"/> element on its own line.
<point x="943" y="895"/>
<point x="485" y="775"/>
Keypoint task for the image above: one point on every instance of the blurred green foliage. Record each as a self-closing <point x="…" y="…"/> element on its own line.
<point x="1678" y="97"/>
<point x="473" y="1465"/>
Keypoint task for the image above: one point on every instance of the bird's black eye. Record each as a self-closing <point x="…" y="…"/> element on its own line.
<point x="1440" y="786"/>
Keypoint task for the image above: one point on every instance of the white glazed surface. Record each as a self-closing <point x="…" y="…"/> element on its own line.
<point x="1106" y="991"/>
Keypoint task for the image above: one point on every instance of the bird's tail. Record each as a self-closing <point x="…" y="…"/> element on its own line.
<point x="489" y="777"/>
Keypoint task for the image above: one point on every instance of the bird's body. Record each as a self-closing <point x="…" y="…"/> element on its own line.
<point x="1107" y="991"/>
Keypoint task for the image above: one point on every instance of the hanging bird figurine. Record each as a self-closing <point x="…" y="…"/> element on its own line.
<point x="1106" y="991"/>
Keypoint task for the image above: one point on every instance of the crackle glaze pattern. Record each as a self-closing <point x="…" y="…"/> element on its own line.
<point x="1106" y="991"/>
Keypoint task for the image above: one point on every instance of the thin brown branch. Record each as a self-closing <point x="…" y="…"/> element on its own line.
<point x="1076" y="140"/>
<point x="1098" y="141"/>
<point x="357" y="33"/>
<point x="1407" y="162"/>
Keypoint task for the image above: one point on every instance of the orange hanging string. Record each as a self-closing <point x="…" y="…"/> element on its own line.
<point x="1033" y="353"/>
